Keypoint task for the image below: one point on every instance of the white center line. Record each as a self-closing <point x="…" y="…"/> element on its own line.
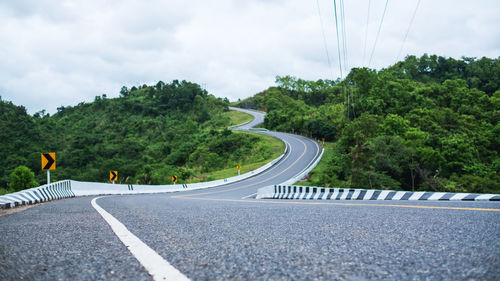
<point x="155" y="265"/>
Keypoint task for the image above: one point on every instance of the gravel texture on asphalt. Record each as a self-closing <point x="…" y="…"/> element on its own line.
<point x="224" y="240"/>
<point x="220" y="240"/>
<point x="63" y="240"/>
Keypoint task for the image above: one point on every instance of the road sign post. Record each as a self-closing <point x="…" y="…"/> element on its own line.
<point x="238" y="167"/>
<point x="48" y="163"/>
<point x="174" y="179"/>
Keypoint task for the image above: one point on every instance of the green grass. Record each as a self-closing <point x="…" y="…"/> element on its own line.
<point x="237" y="117"/>
<point x="4" y="191"/>
<point x="313" y="178"/>
<point x="276" y="146"/>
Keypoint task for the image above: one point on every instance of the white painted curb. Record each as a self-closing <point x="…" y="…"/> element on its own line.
<point x="325" y="193"/>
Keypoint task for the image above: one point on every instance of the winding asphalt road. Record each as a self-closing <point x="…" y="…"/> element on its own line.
<point x="224" y="234"/>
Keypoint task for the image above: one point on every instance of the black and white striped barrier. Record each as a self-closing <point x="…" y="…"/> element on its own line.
<point x="57" y="190"/>
<point x="325" y="193"/>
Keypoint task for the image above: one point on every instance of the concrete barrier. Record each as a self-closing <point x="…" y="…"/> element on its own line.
<point x="57" y="190"/>
<point x="325" y="193"/>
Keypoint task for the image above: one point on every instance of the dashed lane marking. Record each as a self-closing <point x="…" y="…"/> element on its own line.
<point x="154" y="264"/>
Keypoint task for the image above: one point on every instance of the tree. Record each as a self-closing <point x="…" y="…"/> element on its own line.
<point x="22" y="177"/>
<point x="395" y="125"/>
<point x="124" y="91"/>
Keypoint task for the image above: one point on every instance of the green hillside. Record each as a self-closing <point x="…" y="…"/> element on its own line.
<point x="428" y="123"/>
<point x="147" y="134"/>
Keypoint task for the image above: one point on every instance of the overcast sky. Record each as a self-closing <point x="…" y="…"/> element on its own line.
<point x="57" y="52"/>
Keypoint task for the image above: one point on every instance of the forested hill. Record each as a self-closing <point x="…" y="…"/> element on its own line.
<point x="428" y="123"/>
<point x="148" y="134"/>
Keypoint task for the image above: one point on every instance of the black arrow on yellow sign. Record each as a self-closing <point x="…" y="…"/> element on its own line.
<point x="48" y="161"/>
<point x="113" y="175"/>
<point x="174" y="178"/>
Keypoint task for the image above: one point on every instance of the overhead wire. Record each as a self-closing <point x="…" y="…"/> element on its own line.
<point x="347" y="88"/>
<point x="341" y="36"/>
<point x="324" y="40"/>
<point x="366" y="31"/>
<point x="408" y="30"/>
<point x="378" y="33"/>
<point x="344" y="40"/>
<point x="338" y="41"/>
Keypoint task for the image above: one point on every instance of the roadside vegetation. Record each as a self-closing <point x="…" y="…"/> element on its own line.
<point x="237" y="117"/>
<point x="266" y="149"/>
<point x="428" y="123"/>
<point x="148" y="134"/>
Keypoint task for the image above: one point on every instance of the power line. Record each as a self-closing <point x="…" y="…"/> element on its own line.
<point x="378" y="33"/>
<point x="324" y="40"/>
<point x="338" y="41"/>
<point x="344" y="50"/>
<point x="408" y="30"/>
<point x="366" y="30"/>
<point x="344" y="40"/>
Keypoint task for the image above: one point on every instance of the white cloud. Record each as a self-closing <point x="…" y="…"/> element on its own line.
<point x="57" y="53"/>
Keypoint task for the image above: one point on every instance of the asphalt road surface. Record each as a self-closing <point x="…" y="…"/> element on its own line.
<point x="225" y="234"/>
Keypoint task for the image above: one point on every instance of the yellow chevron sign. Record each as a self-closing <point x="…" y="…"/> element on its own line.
<point x="113" y="175"/>
<point x="48" y="161"/>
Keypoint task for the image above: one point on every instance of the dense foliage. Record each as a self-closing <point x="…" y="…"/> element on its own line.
<point x="21" y="178"/>
<point x="148" y="134"/>
<point x="428" y="123"/>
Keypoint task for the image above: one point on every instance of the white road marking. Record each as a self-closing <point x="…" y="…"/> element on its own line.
<point x="154" y="264"/>
<point x="248" y="196"/>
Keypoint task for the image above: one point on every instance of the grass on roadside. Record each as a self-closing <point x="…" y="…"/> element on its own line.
<point x="4" y="191"/>
<point x="237" y="117"/>
<point x="321" y="174"/>
<point x="276" y="147"/>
